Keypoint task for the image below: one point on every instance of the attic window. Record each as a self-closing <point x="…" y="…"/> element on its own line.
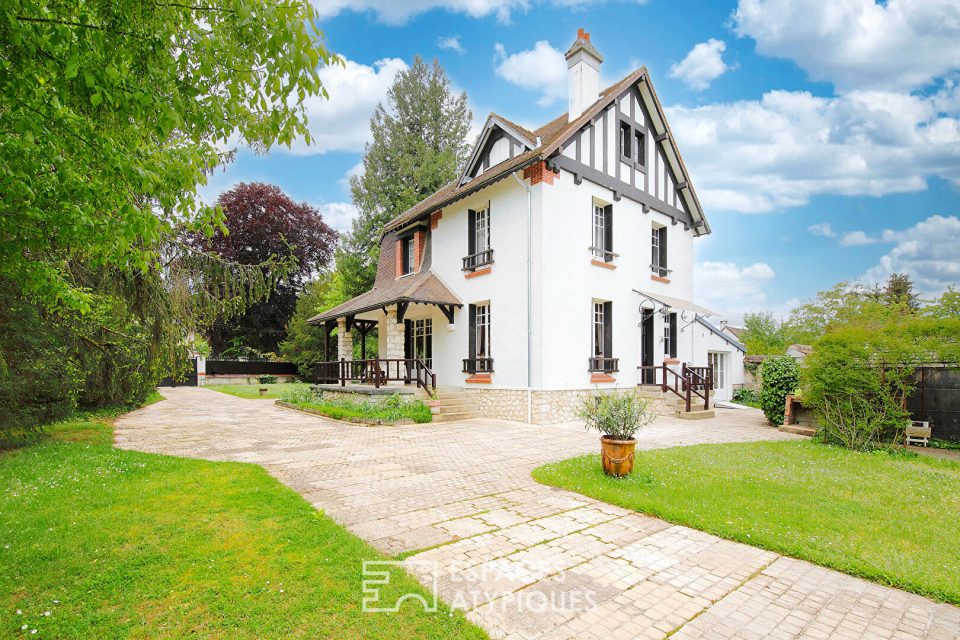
<point x="625" y="140"/>
<point x="639" y="143"/>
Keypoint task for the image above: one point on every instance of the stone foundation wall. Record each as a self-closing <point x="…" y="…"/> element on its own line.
<point x="503" y="404"/>
<point x="548" y="406"/>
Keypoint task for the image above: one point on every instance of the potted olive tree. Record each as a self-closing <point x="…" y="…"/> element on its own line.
<point x="618" y="416"/>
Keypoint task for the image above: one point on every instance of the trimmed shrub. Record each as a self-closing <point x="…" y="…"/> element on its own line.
<point x="747" y="396"/>
<point x="267" y="379"/>
<point x="619" y="414"/>
<point x="781" y="375"/>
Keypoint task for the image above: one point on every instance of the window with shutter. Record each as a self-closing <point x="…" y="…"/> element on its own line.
<point x="658" y="251"/>
<point x="479" y="360"/>
<point x="479" y="253"/>
<point x="601" y="358"/>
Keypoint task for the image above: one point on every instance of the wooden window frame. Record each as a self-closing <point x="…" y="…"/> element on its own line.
<point x="659" y="252"/>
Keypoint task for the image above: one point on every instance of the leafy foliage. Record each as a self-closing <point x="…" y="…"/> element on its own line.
<point x="392" y="409"/>
<point x="747" y="396"/>
<point x="860" y="371"/>
<point x="113" y="113"/>
<point x="418" y="146"/>
<point x="619" y="414"/>
<point x="780" y="377"/>
<point x="946" y="306"/>
<point x="304" y="344"/>
<point x="263" y="224"/>
<point x="764" y="335"/>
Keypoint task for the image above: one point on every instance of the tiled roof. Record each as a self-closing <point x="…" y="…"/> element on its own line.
<point x="424" y="287"/>
<point x="551" y="135"/>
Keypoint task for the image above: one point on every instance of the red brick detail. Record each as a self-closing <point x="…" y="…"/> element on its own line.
<point x="435" y="220"/>
<point x="583" y="35"/>
<point x="479" y="378"/>
<point x="596" y="378"/>
<point x="478" y="272"/>
<point x="657" y="278"/>
<point x="419" y="241"/>
<point x="536" y="173"/>
<point x="601" y="263"/>
<point x="671" y="361"/>
<point x="399" y="258"/>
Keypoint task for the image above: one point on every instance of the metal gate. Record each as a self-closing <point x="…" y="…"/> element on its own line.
<point x="187" y="380"/>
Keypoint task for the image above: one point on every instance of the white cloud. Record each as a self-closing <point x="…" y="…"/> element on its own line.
<point x="732" y="290"/>
<point x="450" y="42"/>
<point x="342" y="122"/>
<point x="760" y="155"/>
<point x="703" y="64"/>
<point x="542" y="69"/>
<point x="822" y="229"/>
<point x="338" y="215"/>
<point x="927" y="251"/>
<point x="397" y="12"/>
<point x="856" y="239"/>
<point x="898" y="44"/>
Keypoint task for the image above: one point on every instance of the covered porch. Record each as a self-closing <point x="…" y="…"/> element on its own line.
<point x="403" y="322"/>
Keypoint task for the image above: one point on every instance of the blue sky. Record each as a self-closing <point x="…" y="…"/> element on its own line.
<point x="823" y="138"/>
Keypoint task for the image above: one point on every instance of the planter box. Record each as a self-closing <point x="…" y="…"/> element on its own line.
<point x="365" y="422"/>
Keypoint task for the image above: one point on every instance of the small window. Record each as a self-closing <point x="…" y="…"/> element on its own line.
<point x="602" y="248"/>
<point x="479" y="252"/>
<point x="625" y="140"/>
<point x="601" y="349"/>
<point x="639" y="140"/>
<point x="409" y="253"/>
<point x="658" y="252"/>
<point x="479" y="359"/>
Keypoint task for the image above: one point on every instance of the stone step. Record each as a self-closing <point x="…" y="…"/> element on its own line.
<point x="700" y="414"/>
<point x="458" y="404"/>
<point x="459" y="415"/>
<point x="799" y="429"/>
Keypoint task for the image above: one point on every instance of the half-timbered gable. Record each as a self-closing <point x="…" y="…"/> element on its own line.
<point x="620" y="148"/>
<point x="500" y="140"/>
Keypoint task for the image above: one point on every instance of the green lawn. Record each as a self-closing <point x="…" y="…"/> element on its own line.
<point x="117" y="544"/>
<point x="892" y="519"/>
<point x="253" y="390"/>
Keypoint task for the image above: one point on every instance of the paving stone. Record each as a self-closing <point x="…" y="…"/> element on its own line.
<point x="528" y="561"/>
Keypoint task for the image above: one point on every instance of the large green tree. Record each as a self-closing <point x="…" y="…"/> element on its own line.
<point x="419" y="144"/>
<point x="112" y="113"/>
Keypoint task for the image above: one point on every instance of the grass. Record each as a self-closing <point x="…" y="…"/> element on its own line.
<point x="117" y="544"/>
<point x="891" y="519"/>
<point x="253" y="390"/>
<point x="391" y="409"/>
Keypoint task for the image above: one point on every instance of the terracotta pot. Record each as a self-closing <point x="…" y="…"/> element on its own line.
<point x="617" y="456"/>
<point x="263" y="391"/>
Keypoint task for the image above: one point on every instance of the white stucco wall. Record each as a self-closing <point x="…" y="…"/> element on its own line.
<point x="504" y="287"/>
<point x="571" y="282"/>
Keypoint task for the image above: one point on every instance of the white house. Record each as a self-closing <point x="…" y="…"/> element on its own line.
<point x="561" y="260"/>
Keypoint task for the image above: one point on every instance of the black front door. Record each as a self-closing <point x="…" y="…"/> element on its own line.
<point x="646" y="347"/>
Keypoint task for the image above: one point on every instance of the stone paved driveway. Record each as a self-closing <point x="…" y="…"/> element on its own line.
<point x="528" y="561"/>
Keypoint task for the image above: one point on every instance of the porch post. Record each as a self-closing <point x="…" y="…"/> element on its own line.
<point x="393" y="345"/>
<point x="344" y="340"/>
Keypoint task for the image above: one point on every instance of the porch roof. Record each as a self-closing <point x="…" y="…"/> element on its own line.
<point x="425" y="287"/>
<point x="675" y="303"/>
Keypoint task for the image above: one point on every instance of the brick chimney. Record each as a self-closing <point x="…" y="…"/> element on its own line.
<point x="583" y="66"/>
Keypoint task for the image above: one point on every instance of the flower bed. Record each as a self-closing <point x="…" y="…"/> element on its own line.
<point x="392" y="410"/>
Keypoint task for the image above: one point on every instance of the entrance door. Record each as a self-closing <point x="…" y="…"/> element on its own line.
<point x="646" y="348"/>
<point x="419" y="340"/>
<point x="719" y="363"/>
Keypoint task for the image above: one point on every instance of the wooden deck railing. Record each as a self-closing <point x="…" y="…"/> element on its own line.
<point x="686" y="383"/>
<point x="376" y="371"/>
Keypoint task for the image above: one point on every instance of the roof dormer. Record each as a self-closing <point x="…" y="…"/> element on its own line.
<point x="499" y="141"/>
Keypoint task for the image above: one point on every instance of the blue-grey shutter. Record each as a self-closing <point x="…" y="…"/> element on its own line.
<point x="663" y="249"/>
<point x="673" y="335"/>
<point x="608" y="231"/>
<point x="607" y="329"/>
<point x="471" y="232"/>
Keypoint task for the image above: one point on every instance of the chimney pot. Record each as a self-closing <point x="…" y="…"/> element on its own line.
<point x="583" y="35"/>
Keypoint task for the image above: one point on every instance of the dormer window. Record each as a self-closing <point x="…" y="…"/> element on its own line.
<point x="625" y="147"/>
<point x="633" y="148"/>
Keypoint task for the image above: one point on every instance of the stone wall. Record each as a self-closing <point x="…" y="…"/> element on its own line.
<point x="504" y="404"/>
<point x="548" y="407"/>
<point x="211" y="380"/>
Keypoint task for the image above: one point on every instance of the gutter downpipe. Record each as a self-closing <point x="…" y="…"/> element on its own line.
<point x="529" y="191"/>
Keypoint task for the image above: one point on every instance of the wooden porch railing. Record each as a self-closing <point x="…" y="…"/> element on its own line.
<point x="376" y="371"/>
<point x="686" y="383"/>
